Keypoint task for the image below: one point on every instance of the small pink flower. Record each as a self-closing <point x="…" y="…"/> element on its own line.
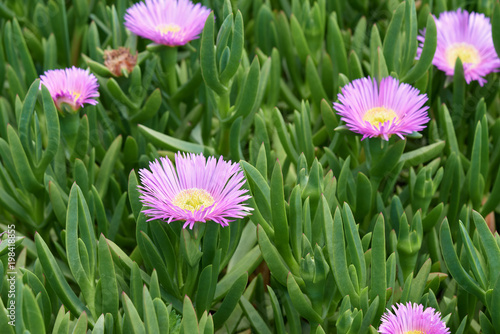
<point x="71" y="86"/>
<point x="381" y="110"/>
<point x="168" y="22"/>
<point x="198" y="190"/>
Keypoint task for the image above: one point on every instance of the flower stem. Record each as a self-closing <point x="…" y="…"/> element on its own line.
<point x="69" y="129"/>
<point x="224" y="138"/>
<point x="223" y="106"/>
<point x="168" y="58"/>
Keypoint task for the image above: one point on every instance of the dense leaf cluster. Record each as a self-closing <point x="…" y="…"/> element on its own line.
<point x="341" y="229"/>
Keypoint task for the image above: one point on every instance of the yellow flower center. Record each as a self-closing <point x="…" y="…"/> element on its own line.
<point x="67" y="100"/>
<point x="467" y="53"/>
<point x="76" y="96"/>
<point x="414" y="332"/>
<point x="169" y="27"/>
<point x="379" y="115"/>
<point x="193" y="199"/>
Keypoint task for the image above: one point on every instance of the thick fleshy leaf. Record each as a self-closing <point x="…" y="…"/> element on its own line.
<point x="107" y="273"/>
<point x="56" y="279"/>
<point x="272" y="257"/>
<point x="133" y="321"/>
<point x="254" y="317"/>
<point x="172" y="143"/>
<point x="423" y="154"/>
<point x="189" y="320"/>
<point x="378" y="271"/>
<point x="230" y="301"/>
<point x="335" y="243"/>
<point x="455" y="267"/>
<point x="428" y="50"/>
<point x="236" y="50"/>
<point x="32" y="315"/>
<point x="107" y="166"/>
<point x="207" y="56"/>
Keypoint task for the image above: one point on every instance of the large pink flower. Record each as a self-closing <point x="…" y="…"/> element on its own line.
<point x="381" y="110"/>
<point x="168" y="22"/>
<point x="199" y="190"/>
<point x="412" y="319"/>
<point x="467" y="36"/>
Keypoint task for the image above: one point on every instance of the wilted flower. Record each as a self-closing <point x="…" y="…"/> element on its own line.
<point x="71" y="86"/>
<point x="168" y="22"/>
<point x="197" y="190"/>
<point x="412" y="319"/>
<point x="118" y="60"/>
<point x="384" y="109"/>
<point x="467" y="36"/>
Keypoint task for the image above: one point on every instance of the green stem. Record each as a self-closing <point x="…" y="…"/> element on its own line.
<point x="224" y="138"/>
<point x="69" y="129"/>
<point x="168" y="58"/>
<point x="223" y="105"/>
<point x="39" y="208"/>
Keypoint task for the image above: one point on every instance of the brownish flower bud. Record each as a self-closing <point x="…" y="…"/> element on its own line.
<point x="118" y="60"/>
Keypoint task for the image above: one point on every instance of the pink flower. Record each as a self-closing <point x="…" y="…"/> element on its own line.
<point x="198" y="190"/>
<point x="168" y="22"/>
<point x="381" y="110"/>
<point x="71" y="86"/>
<point x="412" y="319"/>
<point x="466" y="36"/>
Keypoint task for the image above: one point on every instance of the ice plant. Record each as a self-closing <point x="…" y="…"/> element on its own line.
<point x="168" y="22"/>
<point x="412" y="319"/>
<point x="196" y="190"/>
<point x="71" y="86"/>
<point x="382" y="109"/>
<point x="467" y="36"/>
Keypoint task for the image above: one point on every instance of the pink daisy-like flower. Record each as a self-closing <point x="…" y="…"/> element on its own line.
<point x="199" y="190"/>
<point x="467" y="36"/>
<point x="412" y="319"/>
<point x="381" y="110"/>
<point x="71" y="86"/>
<point x="168" y="22"/>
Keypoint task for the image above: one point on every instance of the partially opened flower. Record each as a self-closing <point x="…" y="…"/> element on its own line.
<point x="382" y="109"/>
<point x="412" y="319"/>
<point x="168" y="22"/>
<point x="72" y="87"/>
<point x="467" y="36"/>
<point x="196" y="190"/>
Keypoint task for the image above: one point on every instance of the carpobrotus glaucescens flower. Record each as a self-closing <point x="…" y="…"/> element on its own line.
<point x="467" y="36"/>
<point x="168" y="22"/>
<point x="412" y="319"/>
<point x="196" y="190"/>
<point x="71" y="86"/>
<point x="381" y="110"/>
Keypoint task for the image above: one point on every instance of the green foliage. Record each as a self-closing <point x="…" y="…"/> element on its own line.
<point x="341" y="229"/>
